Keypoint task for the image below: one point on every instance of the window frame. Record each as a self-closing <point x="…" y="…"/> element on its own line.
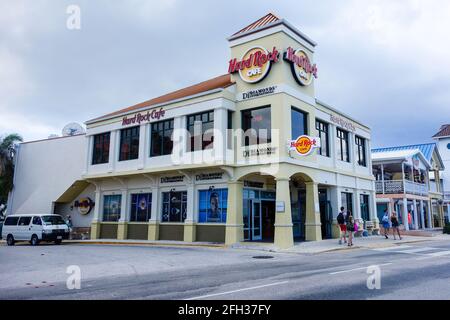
<point x="361" y="151"/>
<point x="326" y="133"/>
<point x="206" y="144"/>
<point x="104" y="157"/>
<point x="340" y="152"/>
<point x="183" y="206"/>
<point x="105" y="196"/>
<point x="134" y="205"/>
<point x="204" y="210"/>
<point x="131" y="155"/>
<point x="161" y="137"/>
<point x="305" y="123"/>
<point x="246" y="140"/>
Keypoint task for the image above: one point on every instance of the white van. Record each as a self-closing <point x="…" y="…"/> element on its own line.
<point x="34" y="228"/>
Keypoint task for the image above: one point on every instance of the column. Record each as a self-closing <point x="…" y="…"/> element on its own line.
<point x="153" y="223"/>
<point x="234" y="232"/>
<point x="373" y="213"/>
<point x="284" y="236"/>
<point x="189" y="226"/>
<point x="89" y="151"/>
<point x="312" y="224"/>
<point x="122" y="227"/>
<point x="422" y="218"/>
<point x="143" y="134"/>
<point x="429" y="215"/>
<point x="95" y="224"/>
<point x="416" y="221"/>
<point x="405" y="213"/>
<point x="335" y="198"/>
<point x="220" y="133"/>
<point x="114" y="147"/>
<point x="357" y="208"/>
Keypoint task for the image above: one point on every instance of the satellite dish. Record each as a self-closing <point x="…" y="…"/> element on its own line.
<point x="72" y="129"/>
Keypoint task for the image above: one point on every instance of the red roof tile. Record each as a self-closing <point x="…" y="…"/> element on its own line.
<point x="444" y="131"/>
<point x="267" y="19"/>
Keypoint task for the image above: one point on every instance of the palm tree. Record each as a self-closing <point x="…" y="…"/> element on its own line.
<point x="7" y="152"/>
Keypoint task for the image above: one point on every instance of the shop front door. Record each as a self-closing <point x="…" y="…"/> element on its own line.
<point x="252" y="220"/>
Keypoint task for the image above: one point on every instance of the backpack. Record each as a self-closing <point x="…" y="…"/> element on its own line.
<point x="340" y="218"/>
<point x="350" y="226"/>
<point x="385" y="219"/>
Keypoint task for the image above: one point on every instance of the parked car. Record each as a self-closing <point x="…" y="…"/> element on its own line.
<point x="1" y="226"/>
<point x="34" y="228"/>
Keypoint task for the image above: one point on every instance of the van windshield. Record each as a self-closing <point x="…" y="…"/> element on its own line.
<point x="52" y="220"/>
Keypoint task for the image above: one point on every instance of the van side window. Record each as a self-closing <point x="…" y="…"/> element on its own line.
<point x="24" y="221"/>
<point x="11" y="221"/>
<point x="37" y="221"/>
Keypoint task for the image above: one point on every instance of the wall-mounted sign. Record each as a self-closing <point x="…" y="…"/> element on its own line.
<point x="304" y="145"/>
<point x="254" y="65"/>
<point x="172" y="179"/>
<point x="209" y="176"/>
<point x="84" y="205"/>
<point x="259" y="152"/>
<point x="258" y="92"/>
<point x="280" y="206"/>
<point x="253" y="184"/>
<point x="301" y="66"/>
<point x="343" y="123"/>
<point x="155" y="114"/>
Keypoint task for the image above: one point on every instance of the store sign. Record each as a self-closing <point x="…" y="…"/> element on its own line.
<point x="253" y="184"/>
<point x="301" y="66"/>
<point x="84" y="205"/>
<point x="155" y="114"/>
<point x="209" y="176"/>
<point x="259" y="152"/>
<point x="172" y="179"/>
<point x="255" y="64"/>
<point x="280" y="206"/>
<point x="258" y="93"/>
<point x="343" y="123"/>
<point x="304" y="145"/>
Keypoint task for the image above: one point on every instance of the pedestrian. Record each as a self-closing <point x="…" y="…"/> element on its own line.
<point x="409" y="220"/>
<point x="341" y="220"/>
<point x="385" y="223"/>
<point x="395" y="225"/>
<point x="350" y="228"/>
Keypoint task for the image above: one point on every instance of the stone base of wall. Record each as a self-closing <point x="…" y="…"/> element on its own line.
<point x="80" y="233"/>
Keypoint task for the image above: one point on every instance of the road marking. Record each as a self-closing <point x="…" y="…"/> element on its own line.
<point x="417" y="250"/>
<point x="238" y="290"/>
<point x="393" y="248"/>
<point x="439" y="253"/>
<point x="362" y="268"/>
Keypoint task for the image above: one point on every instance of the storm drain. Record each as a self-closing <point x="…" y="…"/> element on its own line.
<point x="263" y="257"/>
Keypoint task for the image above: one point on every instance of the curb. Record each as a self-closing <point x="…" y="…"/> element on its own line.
<point x="153" y="244"/>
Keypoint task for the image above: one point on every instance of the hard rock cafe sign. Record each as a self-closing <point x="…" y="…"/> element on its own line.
<point x="84" y="205"/>
<point x="304" y="145"/>
<point x="301" y="66"/>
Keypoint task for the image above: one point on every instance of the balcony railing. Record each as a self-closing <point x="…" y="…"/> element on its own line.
<point x="401" y="186"/>
<point x="446" y="195"/>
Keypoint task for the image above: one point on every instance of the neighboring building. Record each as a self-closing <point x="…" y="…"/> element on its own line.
<point x="443" y="142"/>
<point x="405" y="184"/>
<point x="178" y="167"/>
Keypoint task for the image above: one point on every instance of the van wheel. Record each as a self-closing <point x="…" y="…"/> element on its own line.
<point x="10" y="240"/>
<point x="34" y="240"/>
<point x="58" y="242"/>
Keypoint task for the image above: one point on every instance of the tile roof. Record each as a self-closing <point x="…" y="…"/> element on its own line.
<point x="427" y="149"/>
<point x="223" y="81"/>
<point x="266" y="20"/>
<point x="444" y="131"/>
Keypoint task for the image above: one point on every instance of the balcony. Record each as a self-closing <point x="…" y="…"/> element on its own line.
<point x="401" y="186"/>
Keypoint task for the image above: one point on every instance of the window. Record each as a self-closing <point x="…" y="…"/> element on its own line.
<point x="11" y="221"/>
<point x="360" y="151"/>
<point x="213" y="205"/>
<point x="230" y="130"/>
<point x="200" y="128"/>
<point x="111" y="207"/>
<point x="256" y="124"/>
<point x="342" y="145"/>
<point x="141" y="207"/>
<point x="24" y="221"/>
<point x="37" y="221"/>
<point x="364" y="203"/>
<point x="100" y="153"/>
<point x="299" y="124"/>
<point x="161" y="138"/>
<point x="129" y="144"/>
<point x="174" y="206"/>
<point x="347" y="201"/>
<point x="322" y="130"/>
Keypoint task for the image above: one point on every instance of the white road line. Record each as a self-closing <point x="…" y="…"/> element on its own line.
<point x="362" y="268"/>
<point x="439" y="253"/>
<point x="238" y="290"/>
<point x="393" y="248"/>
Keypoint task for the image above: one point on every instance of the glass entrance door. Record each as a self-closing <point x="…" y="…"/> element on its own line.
<point x="256" y="222"/>
<point x="252" y="220"/>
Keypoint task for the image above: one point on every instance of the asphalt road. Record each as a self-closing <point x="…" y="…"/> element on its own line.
<point x="414" y="271"/>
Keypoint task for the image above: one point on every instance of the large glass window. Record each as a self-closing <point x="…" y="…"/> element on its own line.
<point x="322" y="130"/>
<point x="342" y="145"/>
<point x="200" y="128"/>
<point x="141" y="207"/>
<point x="360" y="151"/>
<point x="161" y="138"/>
<point x="364" y="203"/>
<point x="257" y="125"/>
<point x="111" y="207"/>
<point x="347" y="202"/>
<point x="213" y="205"/>
<point x="174" y="206"/>
<point x="100" y="152"/>
<point x="299" y="123"/>
<point x="129" y="144"/>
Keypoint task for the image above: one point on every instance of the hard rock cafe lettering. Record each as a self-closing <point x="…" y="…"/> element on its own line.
<point x="255" y="64"/>
<point x="301" y="66"/>
<point x="155" y="114"/>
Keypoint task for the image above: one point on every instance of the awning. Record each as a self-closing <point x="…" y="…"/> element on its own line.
<point x="73" y="191"/>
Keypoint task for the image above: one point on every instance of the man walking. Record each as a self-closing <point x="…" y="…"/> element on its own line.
<point x="342" y="221"/>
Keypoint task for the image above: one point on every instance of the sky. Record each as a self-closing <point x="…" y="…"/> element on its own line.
<point x="383" y="62"/>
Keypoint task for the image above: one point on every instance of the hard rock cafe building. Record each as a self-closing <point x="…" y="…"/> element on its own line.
<point x="251" y="155"/>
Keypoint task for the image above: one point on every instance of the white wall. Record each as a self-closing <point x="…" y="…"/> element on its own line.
<point x="44" y="171"/>
<point x="445" y="154"/>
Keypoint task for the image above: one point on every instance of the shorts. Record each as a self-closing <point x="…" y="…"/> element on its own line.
<point x="343" y="227"/>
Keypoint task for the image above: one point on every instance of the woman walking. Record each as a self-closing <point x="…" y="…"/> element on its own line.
<point x="350" y="229"/>
<point x="395" y="224"/>
<point x="385" y="223"/>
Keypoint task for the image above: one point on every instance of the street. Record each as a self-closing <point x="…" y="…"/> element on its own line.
<point x="408" y="271"/>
